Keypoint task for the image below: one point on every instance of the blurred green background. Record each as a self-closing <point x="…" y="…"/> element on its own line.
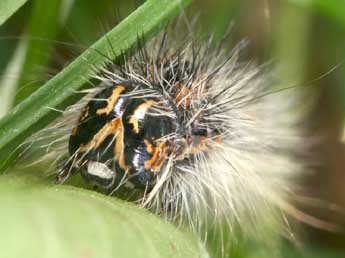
<point x="305" y="40"/>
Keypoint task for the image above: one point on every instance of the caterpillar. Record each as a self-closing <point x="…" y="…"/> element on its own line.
<point x="185" y="129"/>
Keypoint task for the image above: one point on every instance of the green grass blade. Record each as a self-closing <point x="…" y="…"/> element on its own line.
<point x="10" y="77"/>
<point x="44" y="24"/>
<point x="8" y="8"/>
<point x="36" y="111"/>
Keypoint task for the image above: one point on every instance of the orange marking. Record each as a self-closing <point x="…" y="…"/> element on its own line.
<point x="120" y="146"/>
<point x="139" y="114"/>
<point x="149" y="147"/>
<point x="159" y="156"/>
<point x="199" y="145"/>
<point x="111" y="100"/>
<point x="183" y="96"/>
<point x="202" y="144"/>
<point x="112" y="127"/>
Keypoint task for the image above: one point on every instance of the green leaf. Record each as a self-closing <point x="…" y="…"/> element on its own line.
<point x="64" y="221"/>
<point x="37" y="111"/>
<point x="9" y="7"/>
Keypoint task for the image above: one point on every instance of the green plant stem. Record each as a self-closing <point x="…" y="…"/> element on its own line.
<point x="39" y="109"/>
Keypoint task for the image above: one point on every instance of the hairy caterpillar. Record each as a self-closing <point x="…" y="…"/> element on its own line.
<point x="185" y="129"/>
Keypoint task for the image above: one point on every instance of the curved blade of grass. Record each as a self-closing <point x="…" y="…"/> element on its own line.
<point x="37" y="110"/>
<point x="10" y="78"/>
<point x="9" y="7"/>
<point x="44" y="24"/>
<point x="64" y="221"/>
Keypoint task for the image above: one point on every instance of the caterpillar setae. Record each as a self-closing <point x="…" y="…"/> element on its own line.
<point x="194" y="131"/>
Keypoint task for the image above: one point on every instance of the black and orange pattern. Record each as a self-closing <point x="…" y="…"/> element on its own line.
<point x="120" y="131"/>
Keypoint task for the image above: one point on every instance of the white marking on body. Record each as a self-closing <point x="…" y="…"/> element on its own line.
<point x="100" y="170"/>
<point x="139" y="114"/>
<point x="118" y="106"/>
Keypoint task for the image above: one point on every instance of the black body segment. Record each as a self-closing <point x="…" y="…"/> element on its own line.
<point x="121" y="132"/>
